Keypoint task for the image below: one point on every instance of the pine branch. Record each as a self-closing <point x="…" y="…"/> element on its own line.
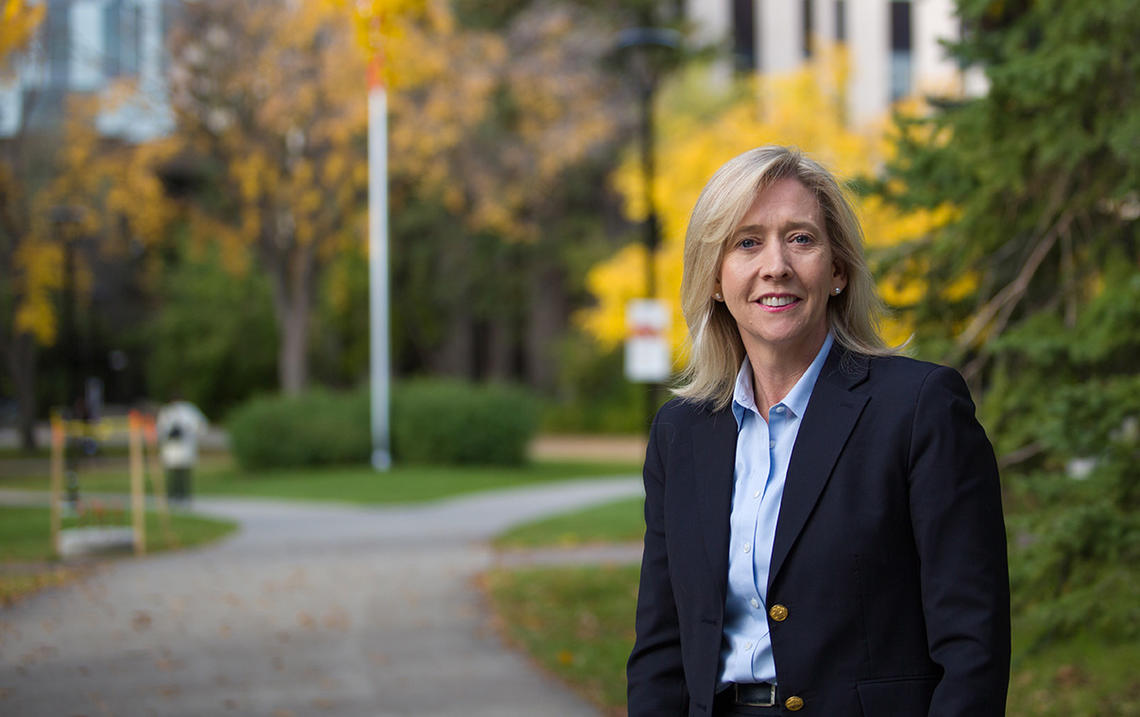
<point x="1006" y="299"/>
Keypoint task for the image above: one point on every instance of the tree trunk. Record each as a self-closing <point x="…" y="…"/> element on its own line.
<point x="546" y="320"/>
<point x="22" y="370"/>
<point x="292" y="356"/>
<point x="500" y="349"/>
<point x="292" y="303"/>
<point x="456" y="355"/>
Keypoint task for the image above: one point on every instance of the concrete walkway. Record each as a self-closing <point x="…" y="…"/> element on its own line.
<point x="308" y="610"/>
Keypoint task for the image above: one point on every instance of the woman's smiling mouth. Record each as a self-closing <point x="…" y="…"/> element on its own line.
<point x="778" y="301"/>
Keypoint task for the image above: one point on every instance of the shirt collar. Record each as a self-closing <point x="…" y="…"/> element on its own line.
<point x="744" y="397"/>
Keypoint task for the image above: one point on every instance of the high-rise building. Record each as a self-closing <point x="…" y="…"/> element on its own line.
<point x="91" y="46"/>
<point x="895" y="45"/>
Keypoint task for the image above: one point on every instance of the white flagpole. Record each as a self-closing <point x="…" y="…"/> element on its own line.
<point x="378" y="309"/>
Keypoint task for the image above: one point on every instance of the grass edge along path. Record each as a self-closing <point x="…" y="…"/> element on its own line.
<point x="575" y="622"/>
<point x="352" y="484"/>
<point x="27" y="563"/>
<point x="619" y="521"/>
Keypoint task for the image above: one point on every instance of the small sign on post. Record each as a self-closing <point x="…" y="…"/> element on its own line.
<point x="647" y="355"/>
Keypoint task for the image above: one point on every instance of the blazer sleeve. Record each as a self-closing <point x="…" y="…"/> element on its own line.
<point x="655" y="678"/>
<point x="956" y="514"/>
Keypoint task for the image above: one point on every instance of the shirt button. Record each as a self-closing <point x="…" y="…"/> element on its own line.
<point x="778" y="409"/>
<point x="748" y="547"/>
<point x="755" y="603"/>
<point x="748" y="646"/>
<point x="771" y="444"/>
<point x="756" y="494"/>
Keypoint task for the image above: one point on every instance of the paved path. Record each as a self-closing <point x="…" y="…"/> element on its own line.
<point x="308" y="610"/>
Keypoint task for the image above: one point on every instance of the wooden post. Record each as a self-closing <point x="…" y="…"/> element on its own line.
<point x="157" y="479"/>
<point x="58" y="437"/>
<point x="138" y="490"/>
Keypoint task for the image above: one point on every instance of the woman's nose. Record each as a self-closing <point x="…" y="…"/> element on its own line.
<point x="774" y="262"/>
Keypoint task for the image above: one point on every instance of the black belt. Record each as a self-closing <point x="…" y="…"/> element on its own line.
<point x="752" y="694"/>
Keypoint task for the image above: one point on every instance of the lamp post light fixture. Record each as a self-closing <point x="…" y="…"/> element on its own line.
<point x="648" y="52"/>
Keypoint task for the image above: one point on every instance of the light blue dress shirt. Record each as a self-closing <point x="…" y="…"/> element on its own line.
<point x="763" y="450"/>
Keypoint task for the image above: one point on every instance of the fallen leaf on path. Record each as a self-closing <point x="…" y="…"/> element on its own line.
<point x="336" y="619"/>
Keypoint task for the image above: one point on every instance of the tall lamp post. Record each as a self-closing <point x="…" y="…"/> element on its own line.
<point x="65" y="221"/>
<point x="647" y="52"/>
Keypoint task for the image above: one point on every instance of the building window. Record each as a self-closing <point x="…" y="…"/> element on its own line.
<point x="122" y="38"/>
<point x="743" y="35"/>
<point x="57" y="39"/>
<point x="901" y="50"/>
<point x="111" y="38"/>
<point x="808" y="19"/>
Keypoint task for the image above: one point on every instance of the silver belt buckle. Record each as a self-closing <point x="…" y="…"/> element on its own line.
<point x="771" y="698"/>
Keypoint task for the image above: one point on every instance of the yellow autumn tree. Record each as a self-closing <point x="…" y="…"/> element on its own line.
<point x="485" y="125"/>
<point x="494" y="118"/>
<point x="18" y="22"/>
<point x="270" y="104"/>
<point x="699" y="131"/>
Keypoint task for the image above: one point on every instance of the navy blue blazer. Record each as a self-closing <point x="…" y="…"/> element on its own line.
<point x="889" y="558"/>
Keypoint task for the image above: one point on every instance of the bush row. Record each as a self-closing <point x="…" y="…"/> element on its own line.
<point x="436" y="421"/>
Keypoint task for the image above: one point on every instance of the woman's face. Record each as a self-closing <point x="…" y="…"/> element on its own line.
<point x="778" y="273"/>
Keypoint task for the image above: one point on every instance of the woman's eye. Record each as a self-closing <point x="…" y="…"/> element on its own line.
<point x="802" y="239"/>
<point x="747" y="243"/>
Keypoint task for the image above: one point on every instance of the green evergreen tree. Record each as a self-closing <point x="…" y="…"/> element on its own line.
<point x="1044" y="170"/>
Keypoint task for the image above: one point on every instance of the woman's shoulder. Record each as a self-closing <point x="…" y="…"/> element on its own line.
<point x="907" y="374"/>
<point x="679" y="408"/>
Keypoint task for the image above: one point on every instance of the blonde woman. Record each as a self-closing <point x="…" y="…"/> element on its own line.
<point x="824" y="532"/>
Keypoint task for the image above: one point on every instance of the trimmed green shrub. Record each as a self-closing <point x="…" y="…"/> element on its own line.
<point x="317" y="427"/>
<point x="450" y="421"/>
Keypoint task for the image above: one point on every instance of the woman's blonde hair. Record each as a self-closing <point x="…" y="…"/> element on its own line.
<point x="715" y="348"/>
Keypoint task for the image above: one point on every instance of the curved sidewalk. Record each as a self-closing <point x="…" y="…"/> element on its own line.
<point x="308" y="610"/>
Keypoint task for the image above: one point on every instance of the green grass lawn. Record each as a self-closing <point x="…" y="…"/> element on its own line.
<point x="1081" y="677"/>
<point x="617" y="522"/>
<point x="576" y="622"/>
<point x="357" y="484"/>
<point x="26" y="560"/>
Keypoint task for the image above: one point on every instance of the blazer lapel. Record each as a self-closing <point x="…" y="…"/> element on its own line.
<point x="828" y="421"/>
<point x="714" y="461"/>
